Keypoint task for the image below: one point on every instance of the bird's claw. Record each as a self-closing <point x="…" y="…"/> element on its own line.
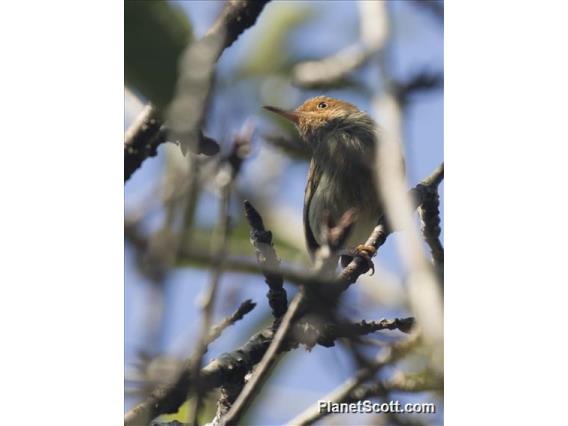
<point x="366" y="252"/>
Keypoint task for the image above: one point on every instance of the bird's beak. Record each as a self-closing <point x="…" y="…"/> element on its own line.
<point x="293" y="116"/>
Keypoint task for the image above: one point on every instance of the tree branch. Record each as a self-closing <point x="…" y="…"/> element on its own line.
<point x="359" y="265"/>
<point x="349" y="274"/>
<point x="197" y="65"/>
<point x="245" y="307"/>
<point x="330" y="71"/>
<point x="167" y="398"/>
<point x="233" y="162"/>
<point x="429" y="213"/>
<point x="235" y="18"/>
<point x="233" y="366"/>
<point x="253" y="386"/>
<point x="142" y="139"/>
<point x="343" y="392"/>
<point x="368" y="327"/>
<point x="261" y="239"/>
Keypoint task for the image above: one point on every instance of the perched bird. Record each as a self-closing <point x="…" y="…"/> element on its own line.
<point x="341" y="175"/>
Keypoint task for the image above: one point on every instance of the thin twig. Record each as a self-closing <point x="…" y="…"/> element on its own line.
<point x="341" y="393"/>
<point x="197" y="66"/>
<point x="142" y="141"/>
<point x="253" y="386"/>
<point x="232" y="366"/>
<point x="398" y="383"/>
<point x="167" y="398"/>
<point x="245" y="307"/>
<point x="334" y="237"/>
<point x="367" y="327"/>
<point x="298" y="276"/>
<point x="208" y="303"/>
<point x="330" y="71"/>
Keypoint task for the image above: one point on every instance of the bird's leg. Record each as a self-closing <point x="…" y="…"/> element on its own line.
<point x="362" y="250"/>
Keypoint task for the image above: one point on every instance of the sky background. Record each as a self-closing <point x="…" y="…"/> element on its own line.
<point x="416" y="45"/>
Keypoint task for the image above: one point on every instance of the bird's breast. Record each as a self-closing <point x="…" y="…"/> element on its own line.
<point x="336" y="193"/>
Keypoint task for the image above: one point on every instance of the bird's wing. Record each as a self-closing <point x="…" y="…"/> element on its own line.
<point x="311" y="185"/>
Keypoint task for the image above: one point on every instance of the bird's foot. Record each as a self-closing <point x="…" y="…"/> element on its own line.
<point x="363" y="251"/>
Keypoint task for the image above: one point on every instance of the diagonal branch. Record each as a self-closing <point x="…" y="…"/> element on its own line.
<point x="359" y="265"/>
<point x="231" y="367"/>
<point x="142" y="139"/>
<point x="334" y="237"/>
<point x="342" y="393"/>
<point x="167" y="398"/>
<point x="245" y="307"/>
<point x="253" y="386"/>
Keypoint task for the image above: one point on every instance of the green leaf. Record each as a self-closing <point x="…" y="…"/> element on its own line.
<point x="155" y="34"/>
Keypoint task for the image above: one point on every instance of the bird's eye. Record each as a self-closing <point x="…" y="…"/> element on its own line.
<point x="322" y="105"/>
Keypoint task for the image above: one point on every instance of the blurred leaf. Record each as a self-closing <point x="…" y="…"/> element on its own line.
<point x="239" y="245"/>
<point x="268" y="54"/>
<point x="181" y="415"/>
<point x="155" y="34"/>
<point x="206" y="413"/>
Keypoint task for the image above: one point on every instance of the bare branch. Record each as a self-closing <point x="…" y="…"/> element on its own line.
<point x="141" y="140"/>
<point x="144" y="137"/>
<point x="241" y="147"/>
<point x="269" y="263"/>
<point x="368" y="327"/>
<point x="146" y="134"/>
<point x="254" y="385"/>
<point x="330" y="71"/>
<point x="167" y="398"/>
<point x="329" y="332"/>
<point x="298" y="276"/>
<point x="186" y="112"/>
<point x="429" y="213"/>
<point x="398" y="383"/>
<point x="343" y="392"/>
<point x="245" y="307"/>
<point x="236" y="17"/>
<point x="232" y="367"/>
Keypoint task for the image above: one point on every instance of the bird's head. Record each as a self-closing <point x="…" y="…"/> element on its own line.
<point x="322" y="114"/>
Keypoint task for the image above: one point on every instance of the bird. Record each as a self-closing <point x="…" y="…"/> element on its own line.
<point x="341" y="178"/>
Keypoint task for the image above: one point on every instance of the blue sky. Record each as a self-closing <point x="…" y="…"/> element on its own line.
<point x="416" y="45"/>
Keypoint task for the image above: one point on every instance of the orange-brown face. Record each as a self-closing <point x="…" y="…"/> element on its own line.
<point x="325" y="106"/>
<point x="316" y="112"/>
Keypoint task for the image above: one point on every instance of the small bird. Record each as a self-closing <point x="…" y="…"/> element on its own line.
<point x="341" y="175"/>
